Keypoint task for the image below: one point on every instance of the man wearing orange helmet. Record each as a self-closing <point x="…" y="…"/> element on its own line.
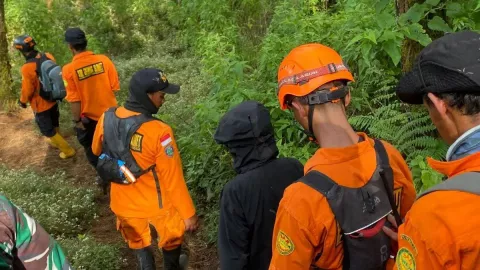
<point x="332" y="218"/>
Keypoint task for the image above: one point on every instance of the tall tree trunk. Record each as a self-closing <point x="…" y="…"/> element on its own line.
<point x="6" y="90"/>
<point x="410" y="48"/>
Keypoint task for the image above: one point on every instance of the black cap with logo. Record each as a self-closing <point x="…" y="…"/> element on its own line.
<point x="450" y="64"/>
<point x="75" y="35"/>
<point x="150" y="80"/>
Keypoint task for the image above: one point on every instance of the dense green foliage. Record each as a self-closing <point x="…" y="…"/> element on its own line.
<point x="227" y="51"/>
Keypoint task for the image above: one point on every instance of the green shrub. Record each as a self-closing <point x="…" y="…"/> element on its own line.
<point x="86" y="254"/>
<point x="51" y="200"/>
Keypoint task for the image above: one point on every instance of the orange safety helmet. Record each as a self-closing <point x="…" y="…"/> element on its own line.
<point x="306" y="68"/>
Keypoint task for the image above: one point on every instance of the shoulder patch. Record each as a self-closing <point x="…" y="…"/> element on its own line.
<point x="166" y="140"/>
<point x="169" y="151"/>
<point x="284" y="244"/>
<point x="397" y="195"/>
<point x="405" y="260"/>
<point x="409" y="240"/>
<point x="136" y="142"/>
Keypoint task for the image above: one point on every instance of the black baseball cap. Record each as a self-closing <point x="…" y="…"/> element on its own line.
<point x="450" y="64"/>
<point x="75" y="35"/>
<point x="150" y="80"/>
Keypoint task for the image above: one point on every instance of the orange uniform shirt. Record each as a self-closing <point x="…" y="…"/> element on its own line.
<point x="91" y="79"/>
<point x="305" y="219"/>
<point x="149" y="146"/>
<point x="31" y="87"/>
<point x="442" y="230"/>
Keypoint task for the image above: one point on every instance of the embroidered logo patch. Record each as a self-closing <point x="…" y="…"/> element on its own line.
<point x="284" y="245"/>
<point x="405" y="260"/>
<point x="338" y="237"/>
<point x="169" y="151"/>
<point x="136" y="142"/>
<point x="397" y="195"/>
<point x="410" y="241"/>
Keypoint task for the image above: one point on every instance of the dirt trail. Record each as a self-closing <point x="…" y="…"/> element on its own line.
<point x="22" y="146"/>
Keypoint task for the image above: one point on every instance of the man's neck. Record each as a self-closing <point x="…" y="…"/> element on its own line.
<point x="78" y="52"/>
<point x="336" y="134"/>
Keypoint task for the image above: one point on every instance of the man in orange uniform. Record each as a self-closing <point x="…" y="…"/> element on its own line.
<point x="90" y="81"/>
<point x="159" y="196"/>
<point x="441" y="231"/>
<point x="46" y="112"/>
<point x="315" y="217"/>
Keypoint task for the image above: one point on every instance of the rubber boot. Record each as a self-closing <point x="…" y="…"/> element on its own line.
<point x="184" y="261"/>
<point x="145" y="258"/>
<point x="49" y="140"/>
<point x="66" y="150"/>
<point x="171" y="259"/>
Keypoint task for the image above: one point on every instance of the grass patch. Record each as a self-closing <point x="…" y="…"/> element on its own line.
<point x="84" y="253"/>
<point x="64" y="211"/>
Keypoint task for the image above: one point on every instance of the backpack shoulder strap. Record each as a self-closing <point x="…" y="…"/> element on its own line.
<point x="318" y="181"/>
<point x="112" y="109"/>
<point x="387" y="177"/>
<point x="39" y="62"/>
<point x="467" y="182"/>
<point x="382" y="152"/>
<point x="132" y="125"/>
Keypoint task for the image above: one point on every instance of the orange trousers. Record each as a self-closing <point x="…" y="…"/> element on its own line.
<point x="136" y="231"/>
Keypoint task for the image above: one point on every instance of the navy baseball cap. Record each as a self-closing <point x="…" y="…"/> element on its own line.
<point x="450" y="64"/>
<point x="150" y="80"/>
<point x="75" y="35"/>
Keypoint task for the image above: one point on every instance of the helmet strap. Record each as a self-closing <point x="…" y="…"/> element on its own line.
<point x="321" y="97"/>
<point x="31" y="55"/>
<point x="309" y="132"/>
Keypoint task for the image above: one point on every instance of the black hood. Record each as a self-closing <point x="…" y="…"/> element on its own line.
<point x="138" y="101"/>
<point x="247" y="132"/>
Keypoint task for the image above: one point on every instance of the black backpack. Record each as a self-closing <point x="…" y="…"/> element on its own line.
<point x="52" y="87"/>
<point x="361" y="213"/>
<point x="118" y="133"/>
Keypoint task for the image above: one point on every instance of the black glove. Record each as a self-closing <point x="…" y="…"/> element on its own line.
<point x="23" y="105"/>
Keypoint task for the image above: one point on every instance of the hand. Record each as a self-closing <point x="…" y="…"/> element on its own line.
<point x="23" y="105"/>
<point x="191" y="224"/>
<point x="391" y="233"/>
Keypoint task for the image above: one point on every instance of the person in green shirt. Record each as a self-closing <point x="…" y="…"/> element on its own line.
<point x="24" y="244"/>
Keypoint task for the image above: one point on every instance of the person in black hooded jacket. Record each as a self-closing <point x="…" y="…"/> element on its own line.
<point x="250" y="200"/>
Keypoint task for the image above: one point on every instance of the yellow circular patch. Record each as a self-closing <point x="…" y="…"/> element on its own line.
<point x="65" y="83"/>
<point x="405" y="260"/>
<point x="284" y="245"/>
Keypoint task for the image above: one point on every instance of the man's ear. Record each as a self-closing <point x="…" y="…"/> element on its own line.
<point x="438" y="104"/>
<point x="348" y="98"/>
<point x="300" y="108"/>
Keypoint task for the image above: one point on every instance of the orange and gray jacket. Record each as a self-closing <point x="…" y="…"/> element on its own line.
<point x="31" y="86"/>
